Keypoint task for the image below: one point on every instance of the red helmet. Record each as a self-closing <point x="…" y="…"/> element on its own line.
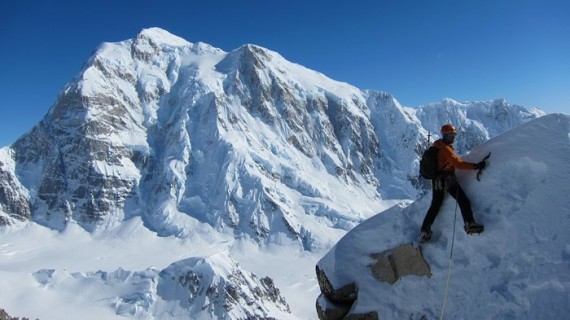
<point x="448" y="128"/>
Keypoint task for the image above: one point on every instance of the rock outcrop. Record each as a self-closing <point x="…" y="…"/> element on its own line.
<point x="5" y="316"/>
<point x="14" y="204"/>
<point x="388" y="266"/>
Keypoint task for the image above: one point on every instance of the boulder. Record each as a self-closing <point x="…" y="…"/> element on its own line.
<point x="399" y="262"/>
<point x="389" y="266"/>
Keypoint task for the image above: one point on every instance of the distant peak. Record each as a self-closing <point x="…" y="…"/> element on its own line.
<point x="252" y="49"/>
<point x="247" y="54"/>
<point x="449" y="101"/>
<point x="159" y="35"/>
<point x="501" y="101"/>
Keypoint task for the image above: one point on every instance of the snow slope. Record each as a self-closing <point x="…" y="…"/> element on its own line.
<point x="518" y="269"/>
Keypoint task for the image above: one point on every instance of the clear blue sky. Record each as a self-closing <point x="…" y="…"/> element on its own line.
<point x="420" y="51"/>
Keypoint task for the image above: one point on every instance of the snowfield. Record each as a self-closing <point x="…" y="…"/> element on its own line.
<point x="124" y="272"/>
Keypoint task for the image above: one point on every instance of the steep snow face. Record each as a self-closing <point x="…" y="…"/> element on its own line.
<point x="85" y="160"/>
<point x="246" y="141"/>
<point x="14" y="204"/>
<point x="519" y="268"/>
<point x="402" y="137"/>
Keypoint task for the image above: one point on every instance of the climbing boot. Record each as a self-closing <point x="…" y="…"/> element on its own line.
<point x="425" y="236"/>
<point x="474" y="227"/>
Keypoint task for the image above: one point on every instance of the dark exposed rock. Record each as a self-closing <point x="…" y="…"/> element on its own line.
<point x="5" y="316"/>
<point x="402" y="261"/>
<point x="195" y="282"/>
<point x="389" y="267"/>
<point x="327" y="310"/>
<point x="344" y="294"/>
<point x="12" y="201"/>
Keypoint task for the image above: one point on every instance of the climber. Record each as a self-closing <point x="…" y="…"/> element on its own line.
<point x="446" y="181"/>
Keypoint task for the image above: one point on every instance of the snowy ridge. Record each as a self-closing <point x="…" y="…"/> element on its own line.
<point x="196" y="288"/>
<point x="517" y="269"/>
<point x="478" y="121"/>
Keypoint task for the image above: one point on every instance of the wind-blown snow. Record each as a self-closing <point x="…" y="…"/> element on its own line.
<point x="519" y="268"/>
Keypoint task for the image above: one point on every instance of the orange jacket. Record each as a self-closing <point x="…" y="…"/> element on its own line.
<point x="447" y="160"/>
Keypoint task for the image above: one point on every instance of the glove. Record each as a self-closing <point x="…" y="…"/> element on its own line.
<point x="480" y="166"/>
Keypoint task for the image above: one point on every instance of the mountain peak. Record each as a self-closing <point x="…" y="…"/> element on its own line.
<point x="255" y="54"/>
<point x="158" y="35"/>
<point x="449" y="101"/>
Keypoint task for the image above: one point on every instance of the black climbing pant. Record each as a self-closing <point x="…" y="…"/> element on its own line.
<point x="440" y="185"/>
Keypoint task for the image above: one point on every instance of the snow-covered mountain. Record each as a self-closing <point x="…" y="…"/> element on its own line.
<point x="245" y="141"/>
<point x="212" y="146"/>
<point x="519" y="268"/>
<point x="199" y="288"/>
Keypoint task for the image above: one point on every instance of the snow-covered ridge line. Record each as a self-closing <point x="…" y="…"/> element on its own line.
<point x="201" y="288"/>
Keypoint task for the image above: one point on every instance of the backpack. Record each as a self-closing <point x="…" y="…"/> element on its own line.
<point x="428" y="164"/>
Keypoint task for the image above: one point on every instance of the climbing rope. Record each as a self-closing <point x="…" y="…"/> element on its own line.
<point x="450" y="259"/>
